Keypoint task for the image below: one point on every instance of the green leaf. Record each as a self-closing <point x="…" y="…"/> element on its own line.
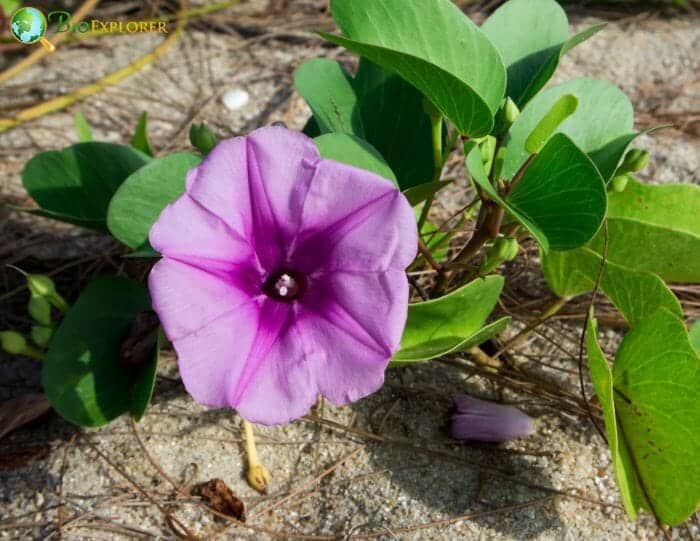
<point x="433" y="46"/>
<point x="140" y="139"/>
<point x="560" y="199"/>
<point x="395" y="123"/>
<point x="376" y="106"/>
<point x="329" y="91"/>
<point x="694" y="335"/>
<point x="418" y="194"/>
<point x="562" y="109"/>
<point x="604" y="114"/>
<point x="531" y="35"/>
<point x="139" y="201"/>
<point x="351" y="150"/>
<point x="651" y="405"/>
<point x="636" y="294"/>
<point x="82" y="127"/>
<point x="76" y="184"/>
<point x="451" y="323"/>
<point x="83" y="376"/>
<point x="602" y="379"/>
<point x="144" y="383"/>
<point x="655" y="229"/>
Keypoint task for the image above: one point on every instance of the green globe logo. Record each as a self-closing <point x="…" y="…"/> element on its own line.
<point x="28" y="25"/>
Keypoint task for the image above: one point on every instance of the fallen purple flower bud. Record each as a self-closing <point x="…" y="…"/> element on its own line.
<point x="480" y="420"/>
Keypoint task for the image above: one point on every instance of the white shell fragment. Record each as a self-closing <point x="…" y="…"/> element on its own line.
<point x="235" y="99"/>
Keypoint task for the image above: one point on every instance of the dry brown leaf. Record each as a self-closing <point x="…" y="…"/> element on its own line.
<point x="222" y="499"/>
<point x="22" y="410"/>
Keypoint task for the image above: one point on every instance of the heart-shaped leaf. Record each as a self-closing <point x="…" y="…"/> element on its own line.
<point x="433" y="46"/>
<point x="636" y="294"/>
<point x="83" y="376"/>
<point x="560" y="199"/>
<point x="376" y="106"/>
<point x="532" y="36"/>
<point x="139" y="201"/>
<point x="451" y="323"/>
<point x="655" y="229"/>
<point x="352" y="150"/>
<point x="651" y="404"/>
<point x="76" y="184"/>
<point x="604" y="114"/>
<point x="329" y="91"/>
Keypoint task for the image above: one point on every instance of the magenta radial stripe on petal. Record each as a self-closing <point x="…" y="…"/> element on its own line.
<point x="283" y="277"/>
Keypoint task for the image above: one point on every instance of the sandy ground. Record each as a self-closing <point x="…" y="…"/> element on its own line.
<point x="383" y="467"/>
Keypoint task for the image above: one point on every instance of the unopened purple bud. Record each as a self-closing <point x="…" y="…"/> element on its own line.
<point x="480" y="420"/>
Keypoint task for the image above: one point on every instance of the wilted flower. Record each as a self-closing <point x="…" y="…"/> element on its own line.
<point x="481" y="420"/>
<point x="282" y="277"/>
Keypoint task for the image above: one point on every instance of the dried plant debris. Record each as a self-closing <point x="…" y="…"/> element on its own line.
<point x="221" y="498"/>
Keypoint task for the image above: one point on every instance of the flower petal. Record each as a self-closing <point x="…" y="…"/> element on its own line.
<point x="257" y="184"/>
<point x="183" y="311"/>
<point x="212" y="359"/>
<point x="355" y="221"/>
<point x="276" y="384"/>
<point x="187" y="231"/>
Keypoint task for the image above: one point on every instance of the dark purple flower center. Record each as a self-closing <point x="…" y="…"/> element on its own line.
<point x="285" y="285"/>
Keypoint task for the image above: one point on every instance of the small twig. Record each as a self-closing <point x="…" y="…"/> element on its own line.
<point x="311" y="482"/>
<point x="519" y="338"/>
<point x="425" y="252"/>
<point x="172" y="520"/>
<point x="59" y="509"/>
<point x="152" y="460"/>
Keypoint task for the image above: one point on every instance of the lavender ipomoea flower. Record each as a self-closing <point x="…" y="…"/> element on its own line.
<point x="480" y="420"/>
<point x="282" y="277"/>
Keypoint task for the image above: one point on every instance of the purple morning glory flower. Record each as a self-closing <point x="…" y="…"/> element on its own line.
<point x="480" y="420"/>
<point x="282" y="277"/>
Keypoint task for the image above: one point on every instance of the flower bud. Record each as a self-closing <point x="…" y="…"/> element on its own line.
<point x="41" y="335"/>
<point x="480" y="420"/>
<point x="510" y="111"/>
<point x="40" y="309"/>
<point x="202" y="137"/>
<point x="41" y="285"/>
<point x="13" y="342"/>
<point x="637" y="159"/>
<point x="619" y="183"/>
